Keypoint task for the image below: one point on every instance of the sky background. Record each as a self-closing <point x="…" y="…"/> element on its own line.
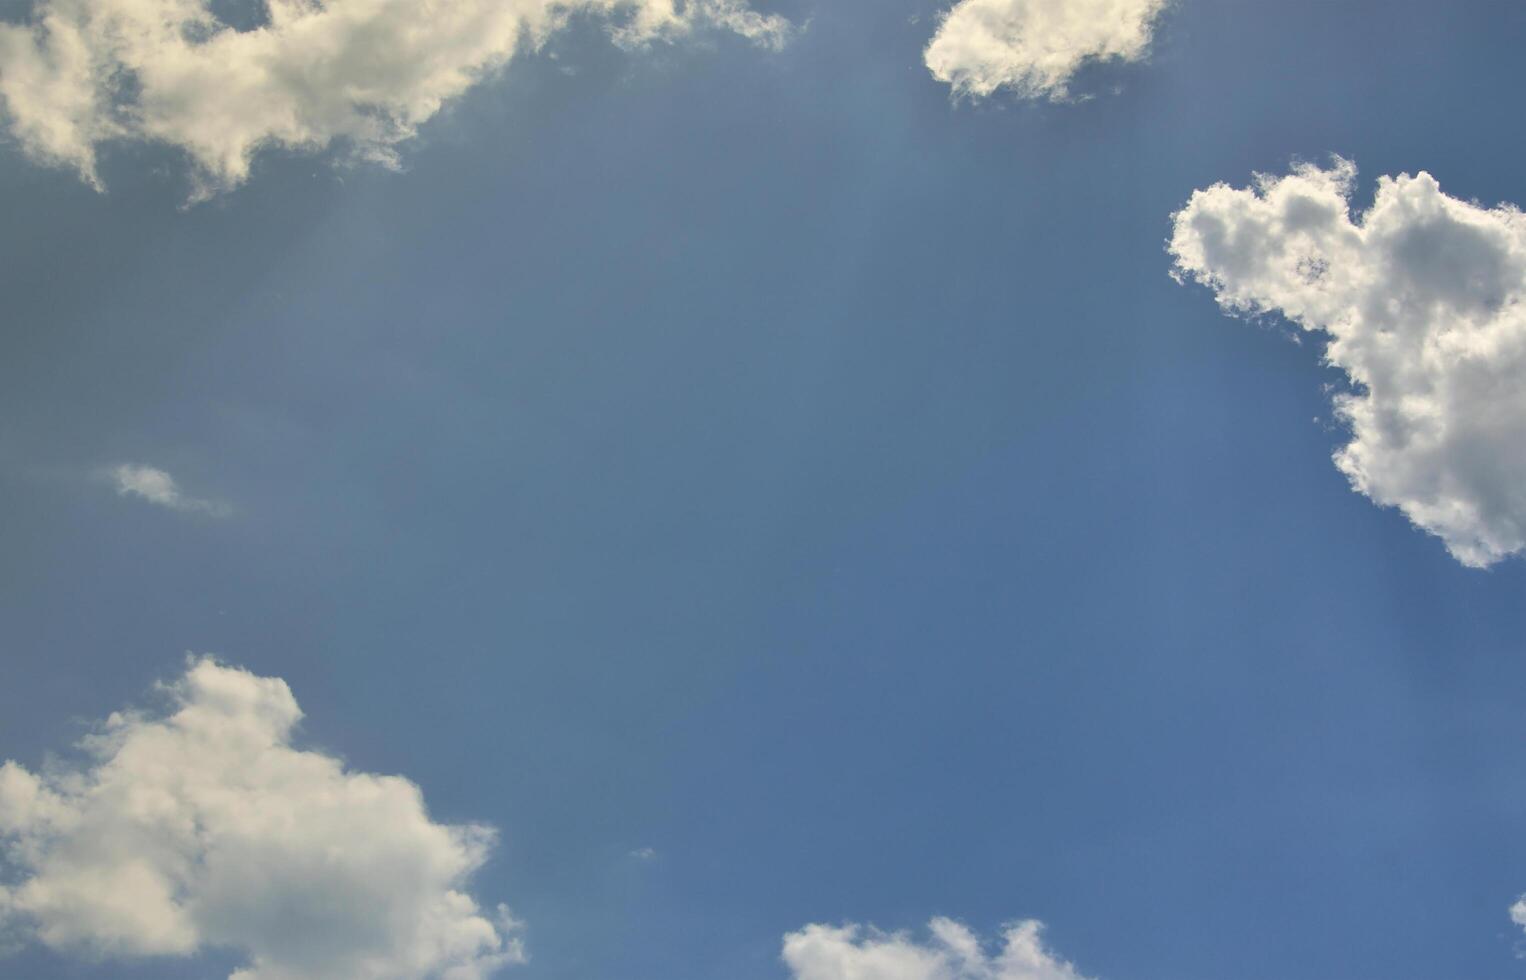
<point x="754" y="457"/>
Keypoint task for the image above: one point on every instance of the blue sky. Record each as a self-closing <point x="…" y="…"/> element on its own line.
<point x="771" y="491"/>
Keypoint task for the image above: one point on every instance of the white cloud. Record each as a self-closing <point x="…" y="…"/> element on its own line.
<point x="952" y="952"/>
<point x="1423" y="301"/>
<point x="1034" y="47"/>
<point x="158" y="487"/>
<point x="204" y="828"/>
<point x="365" y="73"/>
<point x="1518" y="912"/>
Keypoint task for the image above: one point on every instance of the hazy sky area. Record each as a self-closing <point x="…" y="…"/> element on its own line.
<point x="752" y="473"/>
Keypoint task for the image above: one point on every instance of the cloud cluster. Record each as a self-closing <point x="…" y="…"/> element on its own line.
<point x="365" y="73"/>
<point x="158" y="487"/>
<point x="204" y="828"/>
<point x="1034" y="47"/>
<point x="952" y="952"/>
<point x="1423" y="301"/>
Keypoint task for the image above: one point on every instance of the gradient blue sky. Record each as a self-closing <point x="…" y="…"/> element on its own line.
<point x="755" y="457"/>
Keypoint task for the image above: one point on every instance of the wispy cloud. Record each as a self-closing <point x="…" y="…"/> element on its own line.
<point x="361" y="73"/>
<point x="158" y="487"/>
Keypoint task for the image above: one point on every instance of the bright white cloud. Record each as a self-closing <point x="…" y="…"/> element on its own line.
<point x="202" y="827"/>
<point x="952" y="952"/>
<point x="158" y="487"/>
<point x="1423" y="301"/>
<point x="364" y="73"/>
<point x="1034" y="47"/>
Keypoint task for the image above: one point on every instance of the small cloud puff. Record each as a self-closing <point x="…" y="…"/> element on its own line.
<point x="952" y="952"/>
<point x="1423" y="302"/>
<point x="158" y="487"/>
<point x="203" y="828"/>
<point x="1034" y="47"/>
<point x="365" y="73"/>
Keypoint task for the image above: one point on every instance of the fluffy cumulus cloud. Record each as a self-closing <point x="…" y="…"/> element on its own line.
<point x="203" y="827"/>
<point x="364" y="73"/>
<point x="158" y="487"/>
<point x="1034" y="47"/>
<point x="1422" y="300"/>
<point x="952" y="952"/>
